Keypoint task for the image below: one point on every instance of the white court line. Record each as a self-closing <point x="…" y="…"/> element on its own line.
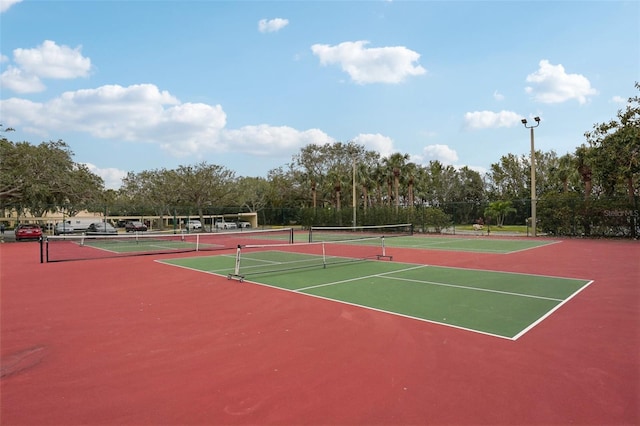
<point x="360" y="278"/>
<point x="514" y="338"/>
<point x="476" y="289"/>
<point x="535" y="247"/>
<point x="385" y="275"/>
<point x="474" y="250"/>
<point x="542" y="318"/>
<point x="394" y="313"/>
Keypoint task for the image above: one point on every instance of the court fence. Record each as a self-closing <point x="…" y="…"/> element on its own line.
<point x="558" y="214"/>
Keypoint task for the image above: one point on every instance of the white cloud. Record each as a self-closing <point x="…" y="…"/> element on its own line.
<point x="618" y="100"/>
<point x="271" y="140"/>
<point x="142" y="113"/>
<point x="47" y="61"/>
<point x="6" y="4"/>
<point x="442" y="153"/>
<point x="112" y="177"/>
<point x="551" y="84"/>
<point x="52" y="61"/>
<point x="370" y="65"/>
<point x="376" y="142"/>
<point x="498" y="96"/>
<point x="18" y="81"/>
<point x="272" y="25"/>
<point x="490" y="119"/>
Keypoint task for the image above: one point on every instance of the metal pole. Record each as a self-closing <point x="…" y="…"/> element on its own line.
<point x="354" y="192"/>
<point x="534" y="223"/>
<point x="533" y="187"/>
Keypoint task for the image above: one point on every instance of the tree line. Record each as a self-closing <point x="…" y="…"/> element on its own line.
<point x="321" y="184"/>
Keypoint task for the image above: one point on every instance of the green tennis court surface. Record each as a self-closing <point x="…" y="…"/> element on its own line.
<point x="125" y="246"/>
<point x="479" y="244"/>
<point x="500" y="304"/>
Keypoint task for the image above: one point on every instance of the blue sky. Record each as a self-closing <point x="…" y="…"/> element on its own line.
<point x="142" y="85"/>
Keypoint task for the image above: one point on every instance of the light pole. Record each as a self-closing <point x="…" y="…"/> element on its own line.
<point x="353" y="194"/>
<point x="533" y="175"/>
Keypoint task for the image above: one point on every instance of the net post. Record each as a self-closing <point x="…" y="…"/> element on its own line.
<point x="197" y="242"/>
<point x="324" y="257"/>
<point x="384" y="251"/>
<point x="41" y="239"/>
<point x="291" y="236"/>
<point x="236" y="270"/>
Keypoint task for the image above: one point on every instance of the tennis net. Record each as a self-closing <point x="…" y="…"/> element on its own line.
<point x="341" y="233"/>
<point x="60" y="248"/>
<point x="253" y="259"/>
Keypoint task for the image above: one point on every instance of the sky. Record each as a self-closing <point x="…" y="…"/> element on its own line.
<point x="154" y="84"/>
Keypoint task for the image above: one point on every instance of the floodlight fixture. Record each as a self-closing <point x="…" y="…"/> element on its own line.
<point x="533" y="174"/>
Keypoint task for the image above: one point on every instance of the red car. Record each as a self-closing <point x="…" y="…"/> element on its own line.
<point x="28" y="232"/>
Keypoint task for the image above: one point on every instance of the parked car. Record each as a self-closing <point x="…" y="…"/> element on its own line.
<point x="28" y="232"/>
<point x="81" y="224"/>
<point x="221" y="224"/>
<point x="101" y="228"/>
<point x="62" y="228"/>
<point x="135" y="226"/>
<point x="244" y="225"/>
<point x="194" y="225"/>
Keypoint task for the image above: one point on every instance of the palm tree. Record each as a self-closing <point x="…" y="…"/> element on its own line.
<point x="499" y="210"/>
<point x="366" y="182"/>
<point x="565" y="170"/>
<point x="379" y="177"/>
<point x="584" y="168"/>
<point x="396" y="164"/>
<point x="335" y="179"/>
<point x="412" y="171"/>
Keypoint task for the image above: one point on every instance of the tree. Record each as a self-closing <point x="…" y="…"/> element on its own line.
<point x="564" y="171"/>
<point x="584" y="157"/>
<point x="616" y="144"/>
<point x="155" y="191"/>
<point x="204" y="185"/>
<point x="42" y="178"/>
<point x="252" y="193"/>
<point x="507" y="180"/>
<point x="395" y="165"/>
<point x="499" y="210"/>
<point x="470" y="191"/>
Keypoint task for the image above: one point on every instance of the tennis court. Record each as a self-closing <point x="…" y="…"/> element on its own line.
<point x="469" y="244"/>
<point x="402" y="235"/>
<point x="82" y="247"/>
<point x="499" y="304"/>
<point x="352" y="334"/>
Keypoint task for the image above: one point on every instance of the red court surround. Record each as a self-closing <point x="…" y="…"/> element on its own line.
<point x="131" y="341"/>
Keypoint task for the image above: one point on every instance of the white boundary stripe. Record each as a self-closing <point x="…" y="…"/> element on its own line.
<point x="476" y="289"/>
<point x="298" y="291"/>
<point x="212" y="272"/>
<point x="514" y="338"/>
<point x="445" y="240"/>
<point x="473" y="330"/>
<point x="359" y="278"/>
<point x="535" y="247"/>
<point x="545" y="316"/>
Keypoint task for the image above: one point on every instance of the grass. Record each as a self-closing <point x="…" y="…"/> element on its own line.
<point x="521" y="229"/>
